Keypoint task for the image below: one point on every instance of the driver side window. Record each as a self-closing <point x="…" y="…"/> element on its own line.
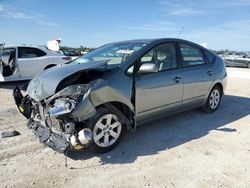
<point x="163" y="56"/>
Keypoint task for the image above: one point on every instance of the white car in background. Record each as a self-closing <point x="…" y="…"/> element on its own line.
<point x="21" y="62"/>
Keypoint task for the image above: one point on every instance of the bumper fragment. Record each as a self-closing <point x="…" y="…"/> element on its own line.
<point x="49" y="138"/>
<point x="23" y="103"/>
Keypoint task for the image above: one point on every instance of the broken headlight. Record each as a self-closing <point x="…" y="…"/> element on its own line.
<point x="65" y="100"/>
<point x="62" y="106"/>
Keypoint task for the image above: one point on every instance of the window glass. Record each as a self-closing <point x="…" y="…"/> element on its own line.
<point x="8" y="55"/>
<point x="130" y="70"/>
<point x="25" y="52"/>
<point x="148" y="57"/>
<point x="210" y="57"/>
<point x="191" y="56"/>
<point x="164" y="56"/>
<point x="113" y="54"/>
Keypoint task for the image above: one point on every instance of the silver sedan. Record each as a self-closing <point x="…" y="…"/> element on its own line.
<point x="237" y="60"/>
<point x="94" y="99"/>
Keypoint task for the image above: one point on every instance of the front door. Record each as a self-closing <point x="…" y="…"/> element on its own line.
<point x="159" y="92"/>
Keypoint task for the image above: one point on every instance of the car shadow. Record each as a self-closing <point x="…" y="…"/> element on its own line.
<point x="171" y="132"/>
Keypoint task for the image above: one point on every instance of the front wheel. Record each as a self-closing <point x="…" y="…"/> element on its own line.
<point x="213" y="100"/>
<point x="107" y="130"/>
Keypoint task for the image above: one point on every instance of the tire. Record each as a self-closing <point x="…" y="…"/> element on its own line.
<point x="107" y="130"/>
<point x="248" y="65"/>
<point x="213" y="100"/>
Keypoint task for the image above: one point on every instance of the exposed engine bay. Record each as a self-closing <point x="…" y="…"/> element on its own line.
<point x="60" y="120"/>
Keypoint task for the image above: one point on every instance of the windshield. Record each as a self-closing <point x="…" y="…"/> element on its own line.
<point x="114" y="54"/>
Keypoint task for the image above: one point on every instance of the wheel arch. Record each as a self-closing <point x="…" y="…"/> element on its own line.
<point x="49" y="66"/>
<point x="220" y="86"/>
<point x="124" y="111"/>
<point x="248" y="64"/>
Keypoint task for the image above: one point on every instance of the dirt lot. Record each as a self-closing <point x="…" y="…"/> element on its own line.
<point x="193" y="149"/>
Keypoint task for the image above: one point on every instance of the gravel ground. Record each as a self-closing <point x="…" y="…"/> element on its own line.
<point x="192" y="149"/>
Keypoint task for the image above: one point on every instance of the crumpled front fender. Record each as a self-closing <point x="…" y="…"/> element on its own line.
<point x="84" y="110"/>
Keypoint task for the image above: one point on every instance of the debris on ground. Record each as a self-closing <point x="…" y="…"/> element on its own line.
<point x="7" y="134"/>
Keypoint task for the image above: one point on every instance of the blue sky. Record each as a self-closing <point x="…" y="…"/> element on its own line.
<point x="221" y="24"/>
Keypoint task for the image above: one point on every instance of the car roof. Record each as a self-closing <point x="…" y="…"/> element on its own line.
<point x="152" y="40"/>
<point x="31" y="46"/>
<point x="155" y="40"/>
<point x="43" y="48"/>
<point x="136" y="41"/>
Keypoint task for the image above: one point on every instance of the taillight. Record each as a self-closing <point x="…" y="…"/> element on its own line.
<point x="67" y="58"/>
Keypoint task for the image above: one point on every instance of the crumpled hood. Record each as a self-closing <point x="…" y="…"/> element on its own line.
<point x="44" y="84"/>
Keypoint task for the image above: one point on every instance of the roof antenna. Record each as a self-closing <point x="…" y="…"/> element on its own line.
<point x="181" y="31"/>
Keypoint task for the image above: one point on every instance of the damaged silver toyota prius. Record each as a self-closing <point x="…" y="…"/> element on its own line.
<point x="95" y="98"/>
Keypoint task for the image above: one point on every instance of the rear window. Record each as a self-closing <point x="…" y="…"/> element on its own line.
<point x="26" y="52"/>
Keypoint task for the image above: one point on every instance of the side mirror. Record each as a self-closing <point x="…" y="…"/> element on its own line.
<point x="148" y="68"/>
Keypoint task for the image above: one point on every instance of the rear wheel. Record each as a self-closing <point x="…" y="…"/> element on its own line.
<point x="213" y="100"/>
<point x="248" y="65"/>
<point x="107" y="130"/>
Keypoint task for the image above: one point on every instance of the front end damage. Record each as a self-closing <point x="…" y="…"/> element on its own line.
<point x="59" y="121"/>
<point x="60" y="102"/>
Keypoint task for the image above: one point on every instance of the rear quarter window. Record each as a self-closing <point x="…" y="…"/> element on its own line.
<point x="209" y="56"/>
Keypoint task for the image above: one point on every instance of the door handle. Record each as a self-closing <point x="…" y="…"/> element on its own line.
<point x="210" y="73"/>
<point x="177" y="79"/>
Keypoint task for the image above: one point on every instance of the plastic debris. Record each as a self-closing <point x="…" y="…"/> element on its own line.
<point x="7" y="134"/>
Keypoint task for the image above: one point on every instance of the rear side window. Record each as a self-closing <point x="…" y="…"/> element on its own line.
<point x="210" y="57"/>
<point x="26" y="52"/>
<point x="191" y="56"/>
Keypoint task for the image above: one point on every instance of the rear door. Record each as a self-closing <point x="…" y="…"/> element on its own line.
<point x="30" y="61"/>
<point x="197" y="74"/>
<point x="159" y="92"/>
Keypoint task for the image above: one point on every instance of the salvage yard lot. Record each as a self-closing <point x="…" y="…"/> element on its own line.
<point x="192" y="149"/>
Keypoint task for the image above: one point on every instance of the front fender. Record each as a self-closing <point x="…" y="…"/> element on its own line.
<point x="108" y="94"/>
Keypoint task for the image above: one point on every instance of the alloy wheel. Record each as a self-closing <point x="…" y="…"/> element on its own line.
<point x="107" y="130"/>
<point x="214" y="99"/>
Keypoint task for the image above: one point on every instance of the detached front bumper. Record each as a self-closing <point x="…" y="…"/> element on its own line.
<point x="48" y="137"/>
<point x="23" y="103"/>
